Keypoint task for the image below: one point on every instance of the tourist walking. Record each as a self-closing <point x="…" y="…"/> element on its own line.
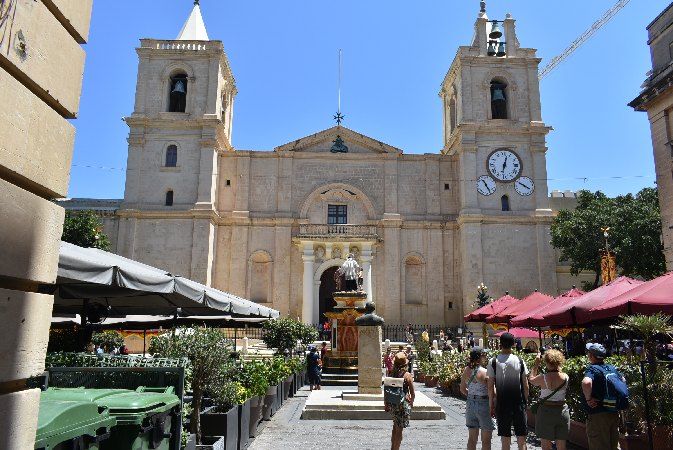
<point x="401" y="412"/>
<point x="602" y="423"/>
<point x="508" y="393"/>
<point x="470" y="339"/>
<point x="474" y="386"/>
<point x="552" y="419"/>
<point x="389" y="361"/>
<point x="410" y="358"/>
<point x="349" y="269"/>
<point x="409" y="334"/>
<point x="313" y="365"/>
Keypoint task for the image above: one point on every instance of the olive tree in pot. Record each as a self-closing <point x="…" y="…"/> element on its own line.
<point x="209" y="352"/>
<point x="277" y="371"/>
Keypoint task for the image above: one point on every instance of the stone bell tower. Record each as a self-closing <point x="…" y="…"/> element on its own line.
<point x="493" y="128"/>
<point x="180" y="125"/>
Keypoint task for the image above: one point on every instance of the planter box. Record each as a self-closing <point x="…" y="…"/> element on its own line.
<point x="634" y="442"/>
<point x="661" y="437"/>
<point x="221" y="424"/>
<point x="191" y="442"/>
<point x="211" y="443"/>
<point x="243" y="424"/>
<point x="269" y="401"/>
<point x="256" y="406"/>
<point x="578" y="434"/>
<point x="287" y="386"/>
<point x="431" y="381"/>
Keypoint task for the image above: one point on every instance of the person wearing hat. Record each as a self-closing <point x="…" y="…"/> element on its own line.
<point x="410" y="358"/>
<point x="602" y="424"/>
<point x="401" y="412"/>
<point x="349" y="269"/>
<point x="474" y="386"/>
<point x="508" y="393"/>
<point x="313" y="365"/>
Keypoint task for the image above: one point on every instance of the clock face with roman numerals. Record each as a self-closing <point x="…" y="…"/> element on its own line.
<point x="504" y="165"/>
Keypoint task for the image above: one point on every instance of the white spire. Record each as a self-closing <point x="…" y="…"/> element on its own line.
<point x="194" y="29"/>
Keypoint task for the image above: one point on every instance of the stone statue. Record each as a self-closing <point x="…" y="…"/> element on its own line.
<point x="339" y="281"/>
<point x="370" y="319"/>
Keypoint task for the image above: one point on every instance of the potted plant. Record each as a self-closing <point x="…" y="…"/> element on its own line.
<point x="276" y="373"/>
<point x="208" y="368"/>
<point x="284" y="333"/>
<point x="221" y="419"/>
<point x="253" y="376"/>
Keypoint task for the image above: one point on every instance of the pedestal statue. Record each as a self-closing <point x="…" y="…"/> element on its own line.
<point x="369" y="351"/>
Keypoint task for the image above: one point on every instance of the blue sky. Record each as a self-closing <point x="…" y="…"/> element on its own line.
<point x="284" y="56"/>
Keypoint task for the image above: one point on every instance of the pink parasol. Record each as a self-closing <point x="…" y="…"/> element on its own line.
<point x="535" y="317"/>
<point x="527" y="304"/>
<point x="478" y="315"/>
<point x="575" y="310"/>
<point x="522" y="333"/>
<point x="648" y="298"/>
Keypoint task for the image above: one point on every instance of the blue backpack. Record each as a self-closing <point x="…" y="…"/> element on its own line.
<point x="616" y="397"/>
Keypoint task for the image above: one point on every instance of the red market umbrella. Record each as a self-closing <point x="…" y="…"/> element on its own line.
<point x="575" y="310"/>
<point x="535" y="317"/>
<point x="648" y="298"/>
<point x="478" y="315"/>
<point x="527" y="304"/>
<point x="521" y="333"/>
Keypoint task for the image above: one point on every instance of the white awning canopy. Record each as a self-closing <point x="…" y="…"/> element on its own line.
<point x="121" y="286"/>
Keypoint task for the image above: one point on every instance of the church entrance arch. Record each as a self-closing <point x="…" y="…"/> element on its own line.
<point x="327" y="286"/>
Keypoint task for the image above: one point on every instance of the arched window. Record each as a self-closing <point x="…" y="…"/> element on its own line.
<point x="504" y="200"/>
<point x="178" y="93"/>
<point x="172" y="156"/>
<point x="498" y="100"/>
<point x="169" y="198"/>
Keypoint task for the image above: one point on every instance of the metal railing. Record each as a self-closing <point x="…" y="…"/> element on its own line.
<point x="397" y="333"/>
<point x="309" y="231"/>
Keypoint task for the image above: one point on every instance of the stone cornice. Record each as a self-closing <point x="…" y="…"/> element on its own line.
<point x="486" y="219"/>
<point x="166" y="214"/>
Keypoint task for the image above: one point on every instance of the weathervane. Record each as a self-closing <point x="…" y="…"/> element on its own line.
<point x="338" y="116"/>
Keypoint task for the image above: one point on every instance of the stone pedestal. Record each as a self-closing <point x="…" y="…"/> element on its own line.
<point x="369" y="360"/>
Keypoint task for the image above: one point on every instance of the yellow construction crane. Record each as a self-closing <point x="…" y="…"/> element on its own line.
<point x="582" y="39"/>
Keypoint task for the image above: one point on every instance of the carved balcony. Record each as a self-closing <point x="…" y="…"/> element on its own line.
<point x="342" y="231"/>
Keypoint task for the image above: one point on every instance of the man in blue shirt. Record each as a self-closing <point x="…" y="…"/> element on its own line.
<point x="602" y="424"/>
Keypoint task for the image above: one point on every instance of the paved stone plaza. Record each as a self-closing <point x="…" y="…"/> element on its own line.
<point x="287" y="431"/>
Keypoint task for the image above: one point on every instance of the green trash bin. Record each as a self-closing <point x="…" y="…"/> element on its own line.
<point x="145" y="419"/>
<point x="72" y="425"/>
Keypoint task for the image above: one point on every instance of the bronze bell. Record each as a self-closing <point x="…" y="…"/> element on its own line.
<point x="495" y="31"/>
<point x="501" y="49"/>
<point x="491" y="48"/>
<point x="498" y="95"/>
<point x="179" y="87"/>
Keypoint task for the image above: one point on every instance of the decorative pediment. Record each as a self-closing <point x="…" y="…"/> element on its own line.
<point x="338" y="140"/>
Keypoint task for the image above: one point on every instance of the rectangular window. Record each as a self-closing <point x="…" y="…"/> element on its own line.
<point x="337" y="214"/>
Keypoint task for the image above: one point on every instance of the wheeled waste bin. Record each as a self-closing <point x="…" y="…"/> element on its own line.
<point x="144" y="417"/>
<point x="72" y="425"/>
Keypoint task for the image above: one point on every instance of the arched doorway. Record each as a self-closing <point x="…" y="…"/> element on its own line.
<point x="326" y="301"/>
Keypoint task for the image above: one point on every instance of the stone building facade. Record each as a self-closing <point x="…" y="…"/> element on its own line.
<point x="656" y="98"/>
<point x="41" y="67"/>
<point x="274" y="226"/>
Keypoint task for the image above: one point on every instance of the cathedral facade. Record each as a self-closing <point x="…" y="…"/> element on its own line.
<point x="274" y="226"/>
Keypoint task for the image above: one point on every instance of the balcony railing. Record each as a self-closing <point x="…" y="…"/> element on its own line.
<point x="314" y="231"/>
<point x="175" y="45"/>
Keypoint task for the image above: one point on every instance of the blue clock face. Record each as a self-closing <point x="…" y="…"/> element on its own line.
<point x="504" y="165"/>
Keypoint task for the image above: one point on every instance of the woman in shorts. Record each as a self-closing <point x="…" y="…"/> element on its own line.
<point x="402" y="412"/>
<point x="552" y="421"/>
<point x="474" y="385"/>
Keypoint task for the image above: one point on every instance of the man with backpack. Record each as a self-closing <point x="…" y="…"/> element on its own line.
<point x="605" y="393"/>
<point x="508" y="393"/>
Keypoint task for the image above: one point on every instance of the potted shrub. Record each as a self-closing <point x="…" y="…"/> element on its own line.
<point x="253" y="376"/>
<point x="276" y="373"/>
<point x="284" y="333"/>
<point x="208" y="368"/>
<point x="221" y="419"/>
